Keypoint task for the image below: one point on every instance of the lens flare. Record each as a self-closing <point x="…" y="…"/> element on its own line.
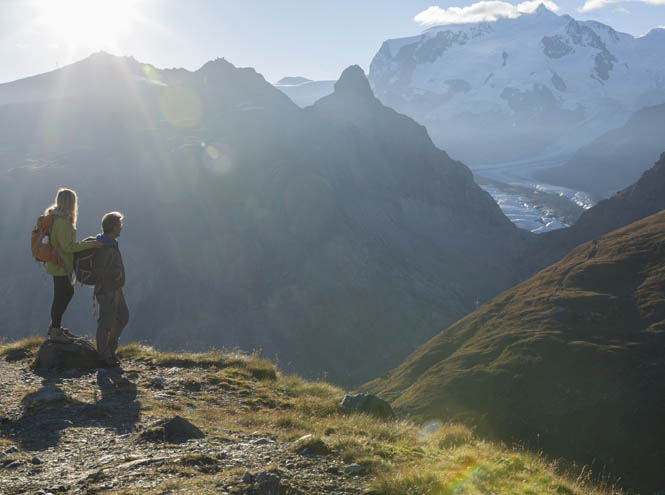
<point x="181" y="106"/>
<point x="429" y="429"/>
<point x="218" y="158"/>
<point x="152" y="75"/>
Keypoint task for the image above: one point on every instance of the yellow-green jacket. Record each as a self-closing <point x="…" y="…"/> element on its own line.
<point x="63" y="238"/>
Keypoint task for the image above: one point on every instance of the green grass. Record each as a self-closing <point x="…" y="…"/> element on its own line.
<point x="402" y="457"/>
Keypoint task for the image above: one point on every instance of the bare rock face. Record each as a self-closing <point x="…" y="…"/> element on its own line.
<point x="78" y="354"/>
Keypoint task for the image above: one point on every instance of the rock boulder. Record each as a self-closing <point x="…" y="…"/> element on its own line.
<point x="368" y="404"/>
<point x="174" y="430"/>
<point x="79" y="354"/>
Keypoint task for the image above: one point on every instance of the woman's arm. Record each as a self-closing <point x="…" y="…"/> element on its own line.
<point x="66" y="236"/>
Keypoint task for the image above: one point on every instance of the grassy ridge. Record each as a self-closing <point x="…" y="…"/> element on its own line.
<point x="570" y="360"/>
<point x="401" y="457"/>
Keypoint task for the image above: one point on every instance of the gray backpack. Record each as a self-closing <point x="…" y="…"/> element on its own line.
<point x="84" y="263"/>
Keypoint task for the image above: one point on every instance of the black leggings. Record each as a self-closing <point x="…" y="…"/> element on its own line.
<point x="63" y="292"/>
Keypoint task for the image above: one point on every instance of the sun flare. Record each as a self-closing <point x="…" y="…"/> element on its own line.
<point x="94" y="24"/>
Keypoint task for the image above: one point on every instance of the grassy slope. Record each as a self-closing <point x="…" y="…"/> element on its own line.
<point x="571" y="359"/>
<point x="400" y="456"/>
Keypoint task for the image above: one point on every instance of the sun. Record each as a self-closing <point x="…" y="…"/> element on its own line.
<point x="92" y="24"/>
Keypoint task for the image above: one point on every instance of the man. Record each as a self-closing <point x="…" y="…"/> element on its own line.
<point x="109" y="273"/>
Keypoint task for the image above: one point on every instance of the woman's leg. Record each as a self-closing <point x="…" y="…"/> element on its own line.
<point x="62" y="294"/>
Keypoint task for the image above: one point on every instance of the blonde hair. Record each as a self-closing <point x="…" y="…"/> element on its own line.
<point x="110" y="220"/>
<point x="66" y="204"/>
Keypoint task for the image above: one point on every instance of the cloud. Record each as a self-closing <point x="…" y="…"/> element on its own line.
<point x="590" y="5"/>
<point x="483" y="11"/>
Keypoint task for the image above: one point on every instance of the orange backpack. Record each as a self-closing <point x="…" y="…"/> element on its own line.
<point x="41" y="247"/>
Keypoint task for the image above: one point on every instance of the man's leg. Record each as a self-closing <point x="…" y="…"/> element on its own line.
<point x="104" y="323"/>
<point x="121" y="320"/>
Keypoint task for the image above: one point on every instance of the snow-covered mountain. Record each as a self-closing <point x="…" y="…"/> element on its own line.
<point x="514" y="88"/>
<point x="304" y="92"/>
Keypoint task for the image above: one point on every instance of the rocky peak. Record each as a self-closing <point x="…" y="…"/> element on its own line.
<point x="218" y="66"/>
<point x="353" y="83"/>
<point x="542" y="10"/>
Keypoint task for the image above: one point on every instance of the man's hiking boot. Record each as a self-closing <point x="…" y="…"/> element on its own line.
<point x="111" y="362"/>
<point x="60" y="335"/>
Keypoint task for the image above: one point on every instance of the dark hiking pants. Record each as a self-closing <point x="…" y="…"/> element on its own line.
<point x="113" y="317"/>
<point x="62" y="294"/>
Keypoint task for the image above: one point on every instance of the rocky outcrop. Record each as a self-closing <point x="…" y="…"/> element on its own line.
<point x="173" y="430"/>
<point x="78" y="354"/>
<point x="367" y="404"/>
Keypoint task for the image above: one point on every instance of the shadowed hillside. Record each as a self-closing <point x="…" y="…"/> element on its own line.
<point x="615" y="159"/>
<point x="571" y="361"/>
<point x="318" y="235"/>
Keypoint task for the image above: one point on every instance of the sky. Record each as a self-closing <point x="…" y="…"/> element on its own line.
<point x="316" y="39"/>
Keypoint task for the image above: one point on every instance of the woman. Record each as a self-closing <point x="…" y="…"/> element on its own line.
<point x="63" y="239"/>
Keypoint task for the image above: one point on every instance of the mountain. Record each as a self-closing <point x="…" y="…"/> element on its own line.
<point x="570" y="361"/>
<point x="515" y="88"/>
<point x="316" y="235"/>
<point x="293" y="80"/>
<point x="304" y="92"/>
<point x="633" y="203"/>
<point x="617" y="158"/>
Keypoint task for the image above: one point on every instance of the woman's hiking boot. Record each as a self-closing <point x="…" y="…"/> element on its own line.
<point x="61" y="335"/>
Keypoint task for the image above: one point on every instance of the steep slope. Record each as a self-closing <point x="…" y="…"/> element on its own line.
<point x="633" y="203"/>
<point x="570" y="361"/>
<point x="514" y="88"/>
<point x="315" y="235"/>
<point x="616" y="159"/>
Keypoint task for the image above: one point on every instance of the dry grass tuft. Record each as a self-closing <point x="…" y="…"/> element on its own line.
<point x="452" y="435"/>
<point x="257" y="366"/>
<point x="29" y="344"/>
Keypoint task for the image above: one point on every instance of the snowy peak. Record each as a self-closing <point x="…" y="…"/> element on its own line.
<point x="546" y="82"/>
<point x="292" y="81"/>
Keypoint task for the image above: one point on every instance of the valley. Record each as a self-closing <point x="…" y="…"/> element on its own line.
<point x="530" y="203"/>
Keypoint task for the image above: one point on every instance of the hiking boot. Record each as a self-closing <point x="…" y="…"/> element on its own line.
<point x="60" y="335"/>
<point x="110" y="362"/>
<point x="69" y="334"/>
